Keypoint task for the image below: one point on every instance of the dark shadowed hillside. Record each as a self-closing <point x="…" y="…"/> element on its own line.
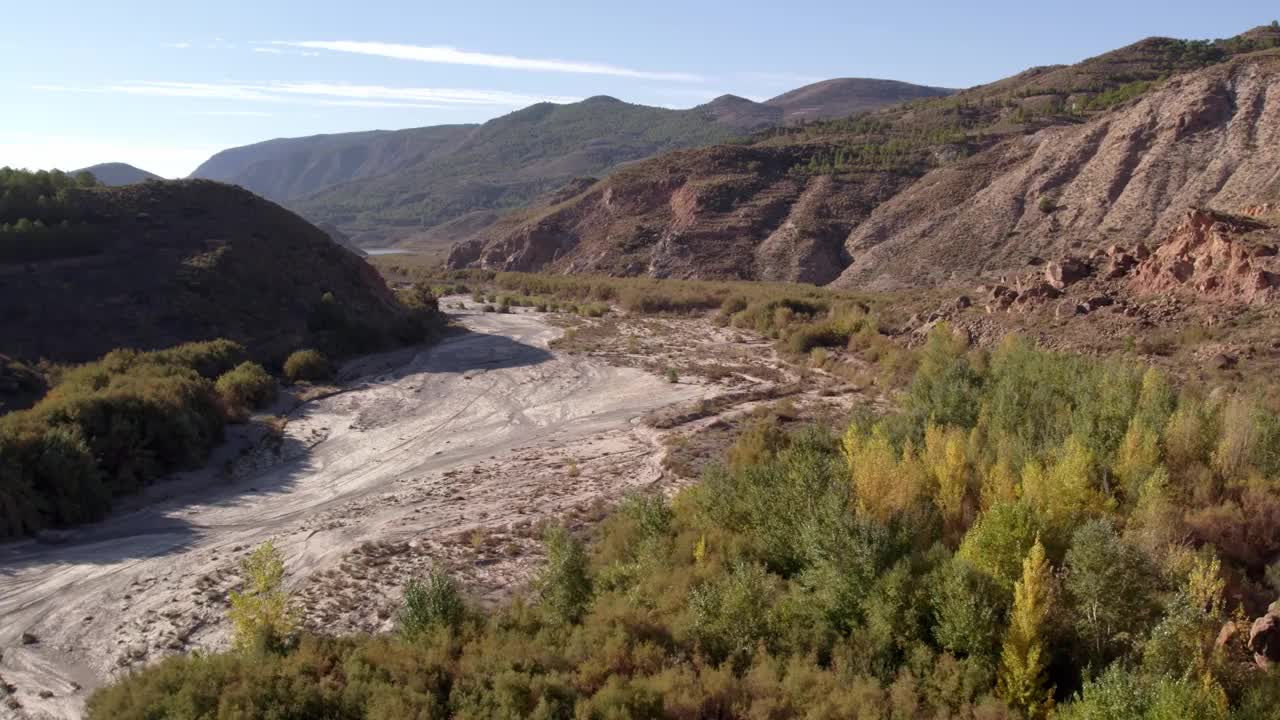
<point x="157" y="264"/>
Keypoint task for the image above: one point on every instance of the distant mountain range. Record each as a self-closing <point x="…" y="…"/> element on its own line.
<point x="383" y="187"/>
<point x="117" y="173"/>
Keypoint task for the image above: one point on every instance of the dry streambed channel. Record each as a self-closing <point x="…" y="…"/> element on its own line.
<point x="451" y="455"/>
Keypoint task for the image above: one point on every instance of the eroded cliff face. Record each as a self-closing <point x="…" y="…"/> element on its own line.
<point x="1217" y="256"/>
<point x="1207" y="139"/>
<point x="723" y="212"/>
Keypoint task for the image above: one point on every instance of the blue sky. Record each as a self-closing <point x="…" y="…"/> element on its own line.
<point x="163" y="85"/>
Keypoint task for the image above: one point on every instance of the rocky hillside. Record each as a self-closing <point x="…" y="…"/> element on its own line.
<point x="158" y="264"/>
<point x="1209" y="138"/>
<point x="1113" y="149"/>
<point x="406" y="186"/>
<point x="116" y="174"/>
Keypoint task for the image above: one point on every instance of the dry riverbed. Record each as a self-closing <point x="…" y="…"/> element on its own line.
<point x="454" y="455"/>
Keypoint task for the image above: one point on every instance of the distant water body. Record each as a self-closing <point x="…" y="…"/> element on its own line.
<point x="387" y="251"/>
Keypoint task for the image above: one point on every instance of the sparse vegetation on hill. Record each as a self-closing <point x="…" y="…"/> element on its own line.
<point x="1026" y="530"/>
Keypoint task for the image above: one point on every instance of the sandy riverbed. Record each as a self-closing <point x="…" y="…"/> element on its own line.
<point x="447" y="455"/>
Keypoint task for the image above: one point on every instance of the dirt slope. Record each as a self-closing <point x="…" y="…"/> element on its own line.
<point x="1207" y="139"/>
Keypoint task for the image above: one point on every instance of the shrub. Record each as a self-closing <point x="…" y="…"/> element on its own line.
<point x="564" y="585"/>
<point x="107" y="428"/>
<point x="307" y="366"/>
<point x="1047" y="204"/>
<point x="247" y="386"/>
<point x="672" y="376"/>
<point x="432" y="603"/>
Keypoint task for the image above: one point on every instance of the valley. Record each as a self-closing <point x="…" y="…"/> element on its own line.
<point x="452" y="455"/>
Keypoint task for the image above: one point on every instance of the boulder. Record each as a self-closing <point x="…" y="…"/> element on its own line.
<point x="1039" y="291"/>
<point x="1264" y="640"/>
<point x="1068" y="308"/>
<point x="1065" y="272"/>
<point x="1099" y="301"/>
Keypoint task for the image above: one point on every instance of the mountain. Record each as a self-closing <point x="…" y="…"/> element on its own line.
<point x="115" y="174"/>
<point x="289" y="168"/>
<point x="975" y="184"/>
<point x="842" y="97"/>
<point x="403" y="186"/>
<point x="161" y="263"/>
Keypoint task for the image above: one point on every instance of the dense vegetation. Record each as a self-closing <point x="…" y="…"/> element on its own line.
<point x="1026" y="531"/>
<point x="38" y="221"/>
<point x="108" y="427"/>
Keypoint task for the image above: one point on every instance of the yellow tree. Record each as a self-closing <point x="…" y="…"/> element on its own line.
<point x="1023" y="658"/>
<point x="948" y="463"/>
<point x="261" y="616"/>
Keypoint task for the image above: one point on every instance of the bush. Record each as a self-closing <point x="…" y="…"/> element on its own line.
<point x="307" y="366"/>
<point x="246" y="387"/>
<point x="564" y="584"/>
<point x="435" y="602"/>
<point x="107" y="428"/>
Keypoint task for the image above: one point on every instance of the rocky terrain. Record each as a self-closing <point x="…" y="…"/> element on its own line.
<point x="189" y="260"/>
<point x="1052" y="161"/>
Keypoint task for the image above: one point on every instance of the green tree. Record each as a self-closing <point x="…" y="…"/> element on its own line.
<point x="1024" y="657"/>
<point x="1110" y="585"/>
<point x="565" y="586"/>
<point x="260" y="615"/>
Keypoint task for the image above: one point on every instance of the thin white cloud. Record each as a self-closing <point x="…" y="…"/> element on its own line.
<point x="178" y="45"/>
<point x="453" y="56"/>
<point x="268" y="50"/>
<point x="229" y="113"/>
<point x="325" y="94"/>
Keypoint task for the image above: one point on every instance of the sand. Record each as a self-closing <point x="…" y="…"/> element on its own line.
<point x="450" y="455"/>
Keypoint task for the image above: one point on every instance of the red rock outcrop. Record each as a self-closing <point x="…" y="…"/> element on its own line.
<point x="1214" y="255"/>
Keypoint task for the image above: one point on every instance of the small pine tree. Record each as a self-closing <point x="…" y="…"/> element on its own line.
<point x="1023" y="658"/>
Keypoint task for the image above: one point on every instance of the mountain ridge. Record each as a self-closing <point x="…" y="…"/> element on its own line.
<point x="381" y="187"/>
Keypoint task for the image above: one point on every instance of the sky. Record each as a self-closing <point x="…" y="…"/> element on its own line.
<point x="164" y="85"/>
